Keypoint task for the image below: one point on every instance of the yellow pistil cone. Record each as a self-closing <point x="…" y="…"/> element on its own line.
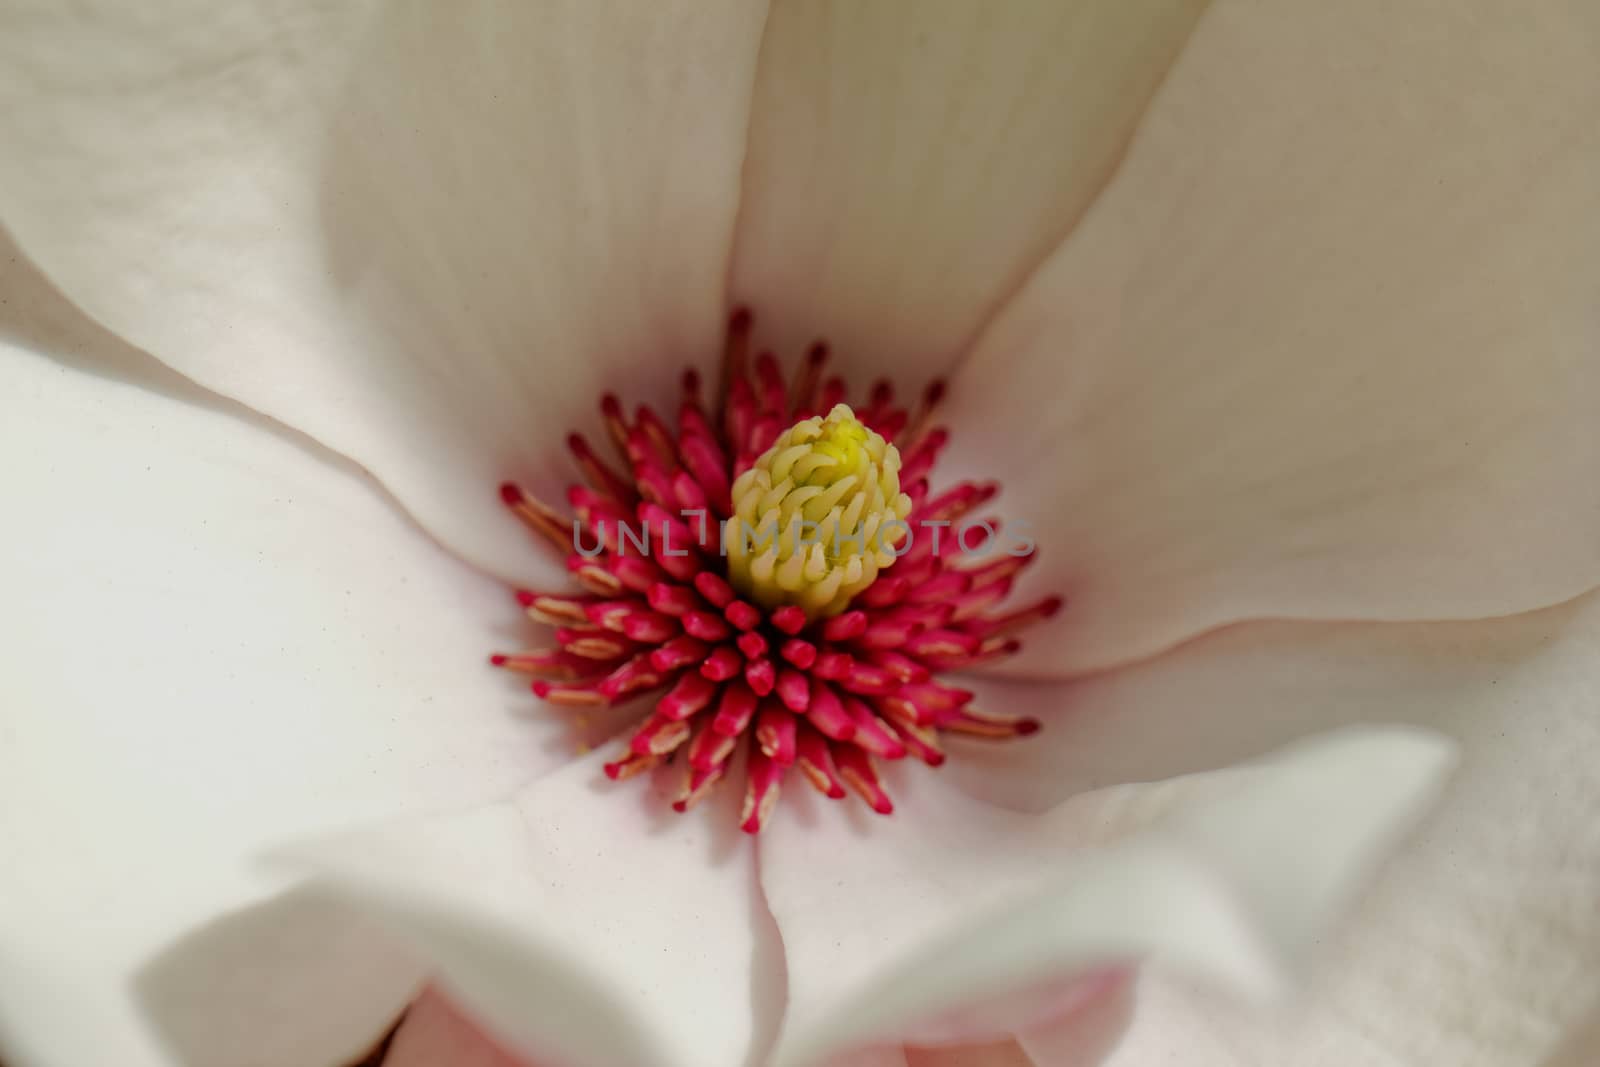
<point x="818" y="516"/>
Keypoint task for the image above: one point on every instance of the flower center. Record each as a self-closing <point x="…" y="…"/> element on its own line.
<point x="762" y="571"/>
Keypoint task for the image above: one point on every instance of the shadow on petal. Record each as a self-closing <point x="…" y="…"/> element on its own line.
<point x="295" y="979"/>
<point x="1581" y="1047"/>
<point x="38" y="317"/>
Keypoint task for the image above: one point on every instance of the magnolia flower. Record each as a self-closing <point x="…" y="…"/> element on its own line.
<point x="1276" y="323"/>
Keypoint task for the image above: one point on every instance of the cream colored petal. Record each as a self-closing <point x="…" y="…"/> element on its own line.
<point x="428" y="235"/>
<point x="582" y="921"/>
<point x="911" y="161"/>
<point x="1580" y="1047"/>
<point x="1480" y="946"/>
<point x="892" y="924"/>
<point x="215" y="635"/>
<point x="1327" y="345"/>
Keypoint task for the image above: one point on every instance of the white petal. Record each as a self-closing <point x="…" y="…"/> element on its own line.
<point x="889" y="922"/>
<point x="214" y="636"/>
<point x="429" y="237"/>
<point x="292" y="980"/>
<point x="1326" y="345"/>
<point x="584" y="920"/>
<point x="1480" y="946"/>
<point x="1242" y="691"/>
<point x="910" y="163"/>
<point x="1489" y="914"/>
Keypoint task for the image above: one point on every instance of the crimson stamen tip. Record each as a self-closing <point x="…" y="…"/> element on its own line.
<point x="511" y="494"/>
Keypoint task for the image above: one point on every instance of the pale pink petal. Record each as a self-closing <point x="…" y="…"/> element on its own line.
<point x="1081" y="1038"/>
<point x="891" y="925"/>
<point x="1086" y="1035"/>
<point x="429" y="237"/>
<point x="1326" y="345"/>
<point x="994" y="1054"/>
<point x="1580" y="1048"/>
<point x="1480" y="946"/>
<point x="1007" y="1053"/>
<point x="873" y="1056"/>
<point x="581" y="921"/>
<point x="215" y="635"/>
<point x="910" y="163"/>
<point x="436" y="1034"/>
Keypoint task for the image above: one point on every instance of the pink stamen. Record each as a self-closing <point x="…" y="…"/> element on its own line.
<point x="844" y="627"/>
<point x="678" y="653"/>
<point x="827" y="713"/>
<point x="752" y="644"/>
<point x="761" y="675"/>
<point x="762" y="778"/>
<point x="816" y="763"/>
<point x="800" y="652"/>
<point x="723" y="664"/>
<point x="856" y="768"/>
<point x="692" y="693"/>
<point x="775" y="733"/>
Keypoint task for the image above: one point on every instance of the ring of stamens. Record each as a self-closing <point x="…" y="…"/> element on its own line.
<point x="820" y="653"/>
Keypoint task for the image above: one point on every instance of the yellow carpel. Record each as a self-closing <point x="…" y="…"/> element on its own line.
<point x="818" y="516"/>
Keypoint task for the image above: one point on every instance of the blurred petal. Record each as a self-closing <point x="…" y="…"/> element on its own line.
<point x="427" y="236"/>
<point x="1480" y="946"/>
<point x="214" y="636"/>
<point x="990" y="1054"/>
<point x="1581" y="1046"/>
<point x="910" y="163"/>
<point x="1086" y="1035"/>
<point x="1326" y="345"/>
<point x="581" y="921"/>
<point x="876" y="1056"/>
<point x="436" y="1034"/>
<point x="889" y="924"/>
<point x="996" y="1054"/>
